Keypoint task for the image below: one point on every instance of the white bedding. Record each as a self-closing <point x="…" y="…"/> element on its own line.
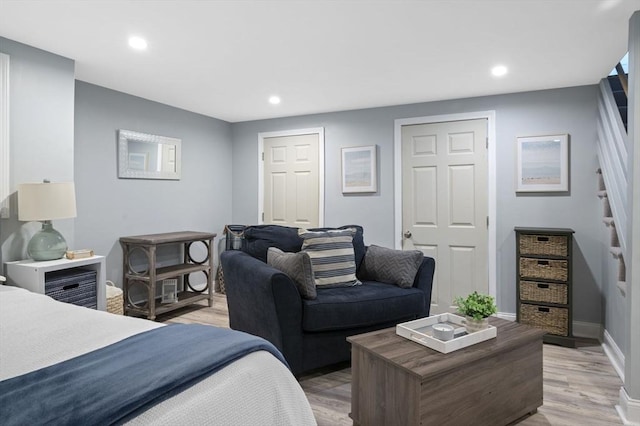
<point x="37" y="331"/>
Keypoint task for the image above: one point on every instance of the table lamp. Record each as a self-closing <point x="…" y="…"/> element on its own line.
<point x="45" y="202"/>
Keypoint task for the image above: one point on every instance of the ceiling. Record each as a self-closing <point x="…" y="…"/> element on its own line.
<point x="226" y="58"/>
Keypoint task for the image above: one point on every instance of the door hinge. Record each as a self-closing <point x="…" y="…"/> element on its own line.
<point x="487" y="222"/>
<point x="263" y="156"/>
<point x="263" y="216"/>
<point x="487" y="142"/>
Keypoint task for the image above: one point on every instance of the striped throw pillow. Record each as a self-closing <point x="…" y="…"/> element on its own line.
<point x="332" y="256"/>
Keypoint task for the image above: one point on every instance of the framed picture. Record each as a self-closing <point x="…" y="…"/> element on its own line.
<point x="359" y="169"/>
<point x="543" y="163"/>
<point x="170" y="291"/>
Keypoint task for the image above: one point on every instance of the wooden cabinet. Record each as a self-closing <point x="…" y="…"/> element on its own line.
<point x="150" y="275"/>
<point x="545" y="281"/>
<point x="42" y="276"/>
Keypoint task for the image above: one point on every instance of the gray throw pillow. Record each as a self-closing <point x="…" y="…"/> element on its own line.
<point x="390" y="266"/>
<point x="332" y="256"/>
<point x="297" y="266"/>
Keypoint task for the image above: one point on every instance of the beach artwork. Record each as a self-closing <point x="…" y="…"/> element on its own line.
<point x="359" y="169"/>
<point x="543" y="163"/>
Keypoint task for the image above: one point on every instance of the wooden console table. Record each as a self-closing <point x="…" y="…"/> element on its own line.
<point x="149" y="277"/>
<point x="400" y="382"/>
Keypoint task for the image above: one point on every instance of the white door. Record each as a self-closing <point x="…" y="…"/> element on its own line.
<point x="445" y="204"/>
<point x="292" y="180"/>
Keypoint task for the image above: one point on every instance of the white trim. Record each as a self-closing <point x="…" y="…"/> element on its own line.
<point x="628" y="409"/>
<point x="507" y="316"/>
<point x="5" y="175"/>
<point x="296" y="132"/>
<point x="491" y="170"/>
<point x="615" y="355"/>
<point x="590" y="330"/>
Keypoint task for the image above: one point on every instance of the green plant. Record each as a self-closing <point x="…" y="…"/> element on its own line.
<point x="477" y="306"/>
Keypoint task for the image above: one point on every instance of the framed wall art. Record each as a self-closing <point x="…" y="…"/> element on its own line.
<point x="543" y="163"/>
<point x="359" y="169"/>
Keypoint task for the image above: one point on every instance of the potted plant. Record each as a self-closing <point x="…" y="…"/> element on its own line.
<point x="476" y="308"/>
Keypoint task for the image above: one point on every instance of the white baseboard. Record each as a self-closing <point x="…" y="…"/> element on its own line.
<point x="628" y="409"/>
<point x="507" y="316"/>
<point x="614" y="354"/>
<point x="589" y="330"/>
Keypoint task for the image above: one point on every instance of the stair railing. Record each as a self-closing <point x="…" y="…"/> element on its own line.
<point x="623" y="78"/>
<point x="612" y="149"/>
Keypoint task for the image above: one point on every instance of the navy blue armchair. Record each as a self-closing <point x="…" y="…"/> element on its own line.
<point x="312" y="333"/>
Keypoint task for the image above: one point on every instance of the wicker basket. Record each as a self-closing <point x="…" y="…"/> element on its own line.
<point x="543" y="292"/>
<point x="115" y="300"/>
<point x="219" y="284"/>
<point x="544" y="268"/>
<point x="552" y="245"/>
<point x="552" y="320"/>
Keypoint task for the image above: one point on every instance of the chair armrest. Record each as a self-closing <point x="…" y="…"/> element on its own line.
<point x="424" y="280"/>
<point x="263" y="301"/>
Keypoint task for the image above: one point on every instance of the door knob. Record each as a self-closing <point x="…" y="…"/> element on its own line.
<point x="407" y="234"/>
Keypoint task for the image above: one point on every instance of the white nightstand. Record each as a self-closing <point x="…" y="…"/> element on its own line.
<point x="30" y="275"/>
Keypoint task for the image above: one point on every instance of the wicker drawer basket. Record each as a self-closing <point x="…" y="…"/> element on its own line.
<point x="544" y="268"/>
<point x="543" y="292"/>
<point x="552" y="320"/>
<point x="551" y="245"/>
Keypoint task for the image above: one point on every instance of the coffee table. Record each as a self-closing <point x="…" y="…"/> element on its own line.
<point x="399" y="382"/>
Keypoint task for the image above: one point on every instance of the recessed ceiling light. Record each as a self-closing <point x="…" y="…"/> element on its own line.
<point x="499" y="70"/>
<point x="274" y="100"/>
<point x="137" y="43"/>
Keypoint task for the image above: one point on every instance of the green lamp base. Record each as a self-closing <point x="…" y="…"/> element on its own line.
<point x="47" y="243"/>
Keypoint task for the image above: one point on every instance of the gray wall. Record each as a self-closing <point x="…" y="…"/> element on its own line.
<point x="41" y="110"/>
<point x="109" y="207"/>
<point x="571" y="110"/>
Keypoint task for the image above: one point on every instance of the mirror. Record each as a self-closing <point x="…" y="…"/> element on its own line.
<point x="144" y="156"/>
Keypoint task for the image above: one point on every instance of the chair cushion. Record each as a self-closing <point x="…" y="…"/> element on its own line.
<point x="332" y="256"/>
<point x="368" y="304"/>
<point x="391" y="266"/>
<point x="258" y="239"/>
<point x="297" y="266"/>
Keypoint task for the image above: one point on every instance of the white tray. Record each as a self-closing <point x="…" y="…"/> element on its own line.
<point x="421" y="331"/>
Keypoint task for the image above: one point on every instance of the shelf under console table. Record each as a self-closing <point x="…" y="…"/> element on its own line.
<point x="149" y="277"/>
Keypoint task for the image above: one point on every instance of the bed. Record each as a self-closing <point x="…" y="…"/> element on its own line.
<point x="38" y="333"/>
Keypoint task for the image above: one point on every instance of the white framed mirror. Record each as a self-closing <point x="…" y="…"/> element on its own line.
<point x="145" y="156"/>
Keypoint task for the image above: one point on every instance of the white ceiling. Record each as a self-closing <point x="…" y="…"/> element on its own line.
<point x="225" y="58"/>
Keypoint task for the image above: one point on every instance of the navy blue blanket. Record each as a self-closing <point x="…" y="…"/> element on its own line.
<point x="109" y="384"/>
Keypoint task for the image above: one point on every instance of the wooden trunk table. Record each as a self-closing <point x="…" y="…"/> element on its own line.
<point x="399" y="382"/>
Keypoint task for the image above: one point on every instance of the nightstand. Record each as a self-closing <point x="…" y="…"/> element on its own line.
<point x="42" y="277"/>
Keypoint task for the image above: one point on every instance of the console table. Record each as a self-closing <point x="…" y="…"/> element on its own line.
<point x="148" y="244"/>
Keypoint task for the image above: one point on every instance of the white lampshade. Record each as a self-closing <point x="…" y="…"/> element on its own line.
<point x="46" y="201"/>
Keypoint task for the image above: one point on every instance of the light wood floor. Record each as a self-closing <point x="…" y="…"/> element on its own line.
<point x="580" y="385"/>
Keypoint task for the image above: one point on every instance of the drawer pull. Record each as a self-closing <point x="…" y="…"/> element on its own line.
<point x="543" y="285"/>
<point x="543" y="262"/>
<point x="540" y="309"/>
<point x="543" y="239"/>
<point x="70" y="286"/>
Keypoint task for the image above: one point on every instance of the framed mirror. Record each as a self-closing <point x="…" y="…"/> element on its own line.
<point x="145" y="156"/>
